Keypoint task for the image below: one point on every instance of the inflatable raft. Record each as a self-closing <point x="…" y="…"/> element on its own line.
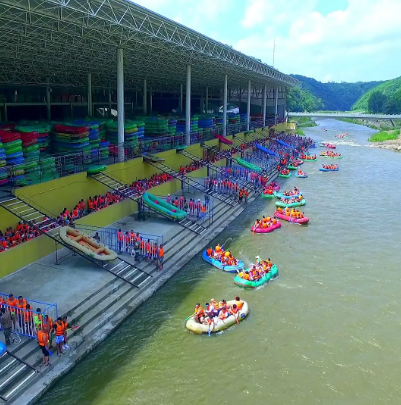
<point x="217" y="263"/>
<point x="220" y="325"/>
<point x="3" y="348"/>
<point x="332" y="157"/>
<point x="288" y="218"/>
<point x="263" y="149"/>
<point x="291" y="205"/>
<point x="163" y="207"/>
<point x="301" y="176"/>
<point x="281" y="195"/>
<point x="322" y="169"/>
<point x="291" y="167"/>
<point x="327" y="145"/>
<point x="254" y="284"/>
<point x="310" y="160"/>
<point x="86" y="244"/>
<point x="248" y="165"/>
<point x="284" y="175"/>
<point x="224" y="140"/>
<point x="265" y="195"/>
<point x="271" y="228"/>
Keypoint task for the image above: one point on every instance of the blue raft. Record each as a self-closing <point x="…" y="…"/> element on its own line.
<point x="263" y="149"/>
<point x="301" y="176"/>
<point x="281" y="195"/>
<point x="322" y="169"/>
<point x="217" y="263"/>
<point x="2" y="348"/>
<point x="283" y="143"/>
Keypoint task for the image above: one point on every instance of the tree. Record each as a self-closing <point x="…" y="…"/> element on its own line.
<point x="376" y="102"/>
<point x="393" y="104"/>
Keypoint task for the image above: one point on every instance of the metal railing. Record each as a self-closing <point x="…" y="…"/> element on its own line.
<point x="26" y="322"/>
<point x="49" y="167"/>
<point x="130" y="245"/>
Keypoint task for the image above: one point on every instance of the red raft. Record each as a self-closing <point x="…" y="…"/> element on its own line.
<point x="287" y="218"/>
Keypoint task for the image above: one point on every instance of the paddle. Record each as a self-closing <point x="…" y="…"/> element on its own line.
<point x="190" y="316"/>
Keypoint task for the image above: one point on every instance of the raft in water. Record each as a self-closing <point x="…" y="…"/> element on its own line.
<point x="322" y="169"/>
<point x="301" y="176"/>
<point x="291" y="205"/>
<point x="284" y="175"/>
<point x="281" y="195"/>
<point x="270" y="228"/>
<point x="217" y="263"/>
<point x="265" y="195"/>
<point x="254" y="284"/>
<point x="288" y="218"/>
<point x="200" y="328"/>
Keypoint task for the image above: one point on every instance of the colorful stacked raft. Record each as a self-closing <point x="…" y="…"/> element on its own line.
<point x="67" y="138"/>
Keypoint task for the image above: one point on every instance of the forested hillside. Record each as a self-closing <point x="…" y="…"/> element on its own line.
<point x="315" y="95"/>
<point x="384" y="98"/>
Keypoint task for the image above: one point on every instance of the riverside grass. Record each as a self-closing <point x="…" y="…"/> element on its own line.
<point x="384" y="136"/>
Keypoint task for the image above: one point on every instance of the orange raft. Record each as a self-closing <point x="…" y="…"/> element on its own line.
<point x="86" y="244"/>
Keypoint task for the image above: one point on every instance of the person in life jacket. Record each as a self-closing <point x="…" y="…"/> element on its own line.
<point x="199" y="313"/>
<point x="38" y="319"/>
<point x="58" y="328"/>
<point x="43" y="339"/>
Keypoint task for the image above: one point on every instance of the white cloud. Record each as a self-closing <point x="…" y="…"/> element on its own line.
<point x="360" y="43"/>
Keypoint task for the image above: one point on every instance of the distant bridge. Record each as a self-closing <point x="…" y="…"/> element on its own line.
<point x="346" y="115"/>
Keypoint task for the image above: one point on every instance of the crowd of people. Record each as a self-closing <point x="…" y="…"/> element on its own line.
<point x="224" y="256"/>
<point x="329" y="153"/>
<point x="264" y="223"/>
<point x="293" y="213"/>
<point x="330" y="167"/>
<point x="290" y="193"/>
<point x="215" y="311"/>
<point x="15" y="236"/>
<point x="257" y="271"/>
<point x="293" y="199"/>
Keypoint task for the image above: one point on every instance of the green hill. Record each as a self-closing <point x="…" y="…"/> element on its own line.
<point x="331" y="96"/>
<point x="390" y="90"/>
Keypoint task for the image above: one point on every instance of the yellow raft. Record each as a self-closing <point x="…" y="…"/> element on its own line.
<point x="219" y="324"/>
<point x="86" y="244"/>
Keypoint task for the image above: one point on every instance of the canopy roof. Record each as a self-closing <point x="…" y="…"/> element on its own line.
<point x="60" y="41"/>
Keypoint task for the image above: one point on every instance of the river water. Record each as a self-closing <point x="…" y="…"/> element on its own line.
<point x="327" y="331"/>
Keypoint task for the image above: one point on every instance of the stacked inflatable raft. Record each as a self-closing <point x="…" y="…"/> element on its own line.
<point x="130" y="133"/>
<point x="156" y="126"/>
<point x="68" y="138"/>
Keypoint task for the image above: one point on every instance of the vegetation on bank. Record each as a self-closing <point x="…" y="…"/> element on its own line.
<point x="300" y="132"/>
<point x="315" y="95"/>
<point x="385" y="136"/>
<point x="381" y="125"/>
<point x="303" y="122"/>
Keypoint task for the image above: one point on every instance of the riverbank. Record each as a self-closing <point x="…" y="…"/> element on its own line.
<point x="390" y="140"/>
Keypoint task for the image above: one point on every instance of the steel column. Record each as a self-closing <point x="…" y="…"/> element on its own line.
<point x="248" y="107"/>
<point x="264" y="104"/>
<point x="90" y="110"/>
<point x="188" y="108"/>
<point x="225" y="91"/>
<point x="48" y="106"/>
<point x="207" y="99"/>
<point x="120" y="103"/>
<point x="145" y="98"/>
<point x="151" y="101"/>
<point x="181" y="97"/>
<point x="276" y="107"/>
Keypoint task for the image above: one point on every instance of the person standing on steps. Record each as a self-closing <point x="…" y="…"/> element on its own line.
<point x="43" y="339"/>
<point x="58" y="327"/>
<point x="161" y="257"/>
<point x="6" y="324"/>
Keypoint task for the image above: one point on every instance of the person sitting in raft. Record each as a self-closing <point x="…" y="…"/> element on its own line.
<point x="238" y="303"/>
<point x="199" y="313"/>
<point x="210" y="322"/>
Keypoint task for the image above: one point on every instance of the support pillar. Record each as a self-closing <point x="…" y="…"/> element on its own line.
<point x="276" y="107"/>
<point x="248" y="107"/>
<point x="207" y="99"/>
<point x="48" y="106"/>
<point x="120" y="103"/>
<point x="188" y="108"/>
<point x="264" y="104"/>
<point x="181" y="97"/>
<point x="145" y="98"/>
<point x="151" y="101"/>
<point x="109" y="101"/>
<point x="90" y="110"/>
<point x="225" y="91"/>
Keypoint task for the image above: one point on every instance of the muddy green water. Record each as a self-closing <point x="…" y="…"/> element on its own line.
<point x="326" y="332"/>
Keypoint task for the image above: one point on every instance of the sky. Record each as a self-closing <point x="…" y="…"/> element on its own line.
<point x="329" y="40"/>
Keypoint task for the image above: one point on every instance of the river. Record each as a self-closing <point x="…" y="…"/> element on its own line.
<point x="327" y="331"/>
